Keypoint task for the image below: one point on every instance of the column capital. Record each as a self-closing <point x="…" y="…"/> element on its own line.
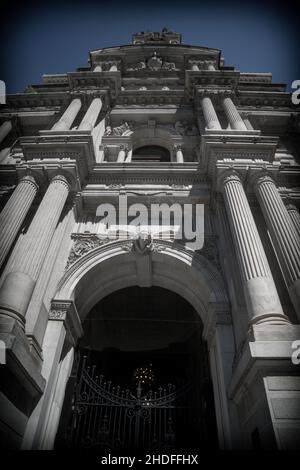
<point x="229" y="175"/>
<point x="291" y="207"/>
<point x="259" y="177"/>
<point x="65" y="311"/>
<point x="203" y="92"/>
<point x="59" y="178"/>
<point x="178" y="147"/>
<point x="30" y="179"/>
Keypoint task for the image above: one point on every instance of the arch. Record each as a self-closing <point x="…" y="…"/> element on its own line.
<point x="161" y="135"/>
<point x="113" y="266"/>
<point x="151" y="153"/>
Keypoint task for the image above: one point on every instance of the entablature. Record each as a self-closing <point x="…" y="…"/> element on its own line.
<point x="217" y="79"/>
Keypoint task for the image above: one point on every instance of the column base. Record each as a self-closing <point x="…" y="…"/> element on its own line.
<point x="263" y="303"/>
<point x="270" y="318"/>
<point x="265" y="387"/>
<point x="21" y="381"/>
<point x="15" y="294"/>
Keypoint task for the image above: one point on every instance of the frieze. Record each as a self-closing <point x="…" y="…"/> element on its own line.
<point x="52" y="154"/>
<point x="259" y="101"/>
<point x="173" y="99"/>
<point x="113" y="182"/>
<point x="243" y="154"/>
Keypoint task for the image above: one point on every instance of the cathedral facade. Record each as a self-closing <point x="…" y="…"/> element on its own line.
<point x="150" y="255"/>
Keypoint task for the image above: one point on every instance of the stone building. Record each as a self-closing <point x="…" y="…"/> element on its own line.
<point x="108" y="330"/>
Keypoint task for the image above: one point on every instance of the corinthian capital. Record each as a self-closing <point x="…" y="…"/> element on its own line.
<point x="260" y="177"/>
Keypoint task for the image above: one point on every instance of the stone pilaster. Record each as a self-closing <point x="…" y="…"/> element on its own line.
<point x="5" y="129"/>
<point x="121" y="154"/>
<point x="67" y="119"/>
<point x="63" y="328"/>
<point x="14" y="213"/>
<point x="233" y="116"/>
<point x="210" y="116"/>
<point x="91" y="116"/>
<point x="261" y="296"/>
<point x="18" y="285"/>
<point x="283" y="232"/>
<point x="294" y="215"/>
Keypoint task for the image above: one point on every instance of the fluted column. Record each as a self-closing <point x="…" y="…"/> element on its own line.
<point x="5" y="129"/>
<point x="261" y="296"/>
<point x="91" y="116"/>
<point x="4" y="154"/>
<point x="210" y="116"/>
<point x="295" y="216"/>
<point x="17" y="288"/>
<point x="121" y="154"/>
<point x="248" y="124"/>
<point x="283" y="232"/>
<point x="14" y="213"/>
<point x="67" y="119"/>
<point x="179" y="154"/>
<point x="233" y="116"/>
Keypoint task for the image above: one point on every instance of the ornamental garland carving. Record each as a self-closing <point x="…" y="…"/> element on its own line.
<point x="57" y="314"/>
<point x="124" y="129"/>
<point x="183" y="128"/>
<point x="154" y="63"/>
<point x="82" y="245"/>
<point x="142" y="246"/>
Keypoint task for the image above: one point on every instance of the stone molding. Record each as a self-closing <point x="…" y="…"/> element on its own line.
<point x="82" y="244"/>
<point x="66" y="312"/>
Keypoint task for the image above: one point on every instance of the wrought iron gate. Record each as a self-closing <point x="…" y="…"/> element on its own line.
<point x="106" y="417"/>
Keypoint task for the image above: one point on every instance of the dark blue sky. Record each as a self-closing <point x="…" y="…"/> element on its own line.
<point x="55" y="37"/>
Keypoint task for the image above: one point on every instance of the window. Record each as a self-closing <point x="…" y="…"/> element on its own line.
<point x="151" y="153"/>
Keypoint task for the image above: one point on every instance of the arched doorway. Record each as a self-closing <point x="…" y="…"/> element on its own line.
<point x="141" y="381"/>
<point x="114" y="266"/>
<point x="151" y="153"/>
